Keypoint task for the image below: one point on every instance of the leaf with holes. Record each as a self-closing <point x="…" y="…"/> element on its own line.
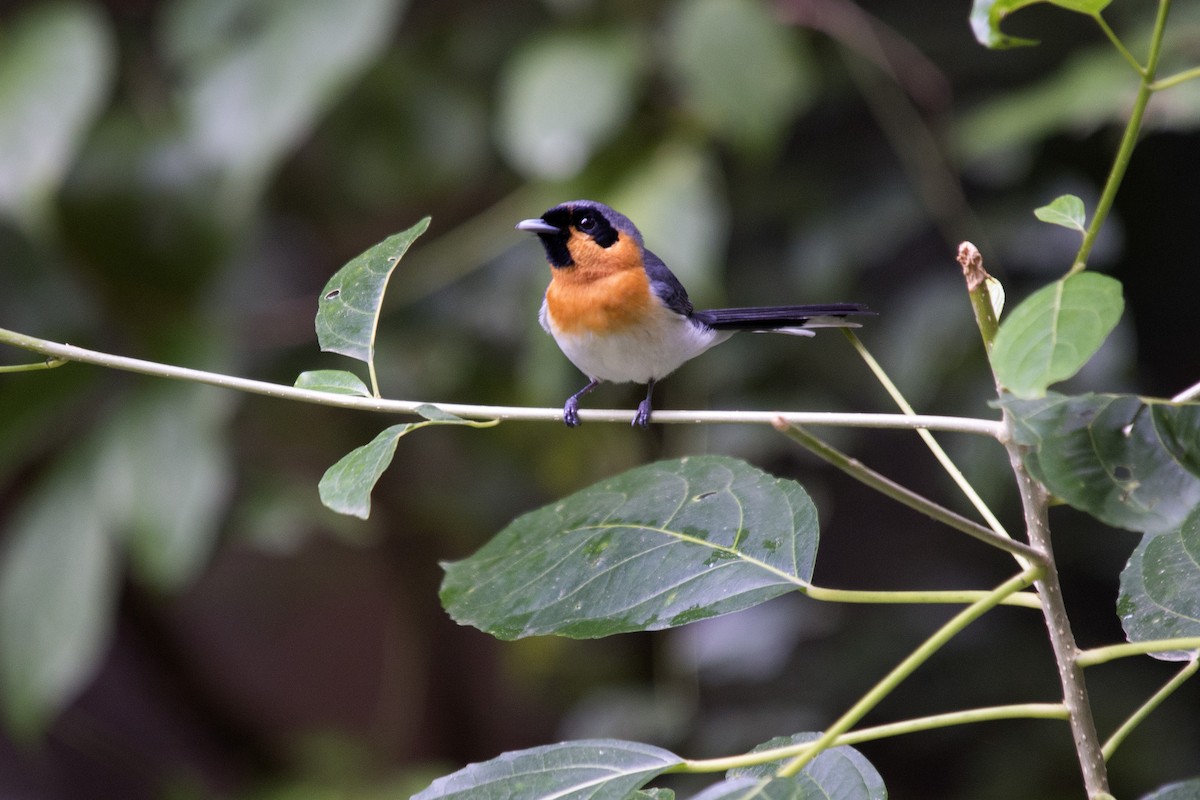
<point x="597" y="769"/>
<point x="1056" y="330"/>
<point x="348" y="310"/>
<point x="1160" y="587"/>
<point x="655" y="547"/>
<point x="1128" y="462"/>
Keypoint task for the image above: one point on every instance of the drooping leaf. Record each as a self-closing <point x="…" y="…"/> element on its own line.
<point x="1054" y="332"/>
<point x="346" y="486"/>
<point x="246" y="107"/>
<point x="655" y="547"/>
<point x="335" y="381"/>
<point x="1160" y="587"/>
<point x="58" y="591"/>
<point x="986" y="16"/>
<point x="1115" y="456"/>
<point x="797" y="788"/>
<point x="1066" y="210"/>
<point x="56" y="65"/>
<point x="840" y="773"/>
<point x="739" y="72"/>
<point x="1184" y="790"/>
<point x="348" y="310"/>
<point x="597" y="769"/>
<point x="563" y="97"/>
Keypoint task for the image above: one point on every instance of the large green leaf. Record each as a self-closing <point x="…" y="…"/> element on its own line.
<point x="1054" y="332"/>
<point x="1160" y="587"/>
<point x="739" y="72"/>
<point x="597" y="769"/>
<point x="564" y="96"/>
<point x="56" y="64"/>
<point x="348" y="311"/>
<point x="346" y="486"/>
<point x="1128" y="462"/>
<point x="798" y="788"/>
<point x="655" y="547"/>
<point x="986" y="16"/>
<point x="841" y="773"/>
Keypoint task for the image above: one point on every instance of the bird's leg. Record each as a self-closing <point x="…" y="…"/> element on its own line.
<point x="571" y="409"/>
<point x="642" y="417"/>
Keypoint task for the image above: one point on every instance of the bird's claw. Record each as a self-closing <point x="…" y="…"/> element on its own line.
<point x="571" y="413"/>
<point x="642" y="418"/>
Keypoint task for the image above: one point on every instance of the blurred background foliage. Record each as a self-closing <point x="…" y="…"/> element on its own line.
<point x="180" y="618"/>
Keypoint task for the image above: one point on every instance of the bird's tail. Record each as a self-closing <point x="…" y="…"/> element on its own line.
<point x="796" y="320"/>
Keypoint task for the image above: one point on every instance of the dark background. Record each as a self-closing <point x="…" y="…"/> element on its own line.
<point x="276" y="650"/>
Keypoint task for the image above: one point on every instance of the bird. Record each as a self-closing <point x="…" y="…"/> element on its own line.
<point x="620" y="315"/>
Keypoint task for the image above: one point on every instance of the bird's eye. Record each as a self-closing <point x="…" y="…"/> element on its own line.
<point x="587" y="224"/>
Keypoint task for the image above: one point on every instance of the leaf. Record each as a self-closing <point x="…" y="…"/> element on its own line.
<point x="56" y="67"/>
<point x="738" y="71"/>
<point x="564" y="96"/>
<point x="1054" y="332"/>
<point x="1066" y="210"/>
<point x="334" y="381"/>
<point x="840" y="773"/>
<point x="986" y="16"/>
<point x="58" y="593"/>
<point x="655" y="547"/>
<point x="597" y="769"/>
<point x="257" y="75"/>
<point x="797" y="788"/>
<point x="1115" y="456"/>
<point x="346" y="486"/>
<point x="348" y="310"/>
<point x="1184" y="790"/>
<point x="1160" y="588"/>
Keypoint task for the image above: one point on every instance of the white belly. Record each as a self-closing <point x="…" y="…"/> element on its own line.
<point x="641" y="355"/>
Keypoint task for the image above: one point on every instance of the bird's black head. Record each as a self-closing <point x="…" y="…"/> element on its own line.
<point x="570" y="231"/>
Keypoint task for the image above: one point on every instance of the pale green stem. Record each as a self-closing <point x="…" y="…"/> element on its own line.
<point x="1117" y="43"/>
<point x="1128" y="141"/>
<point x="49" y="363"/>
<point x="1176" y="79"/>
<point x="1102" y="655"/>
<point x="68" y="352"/>
<point x="906" y="667"/>
<point x="943" y="458"/>
<point x="1144" y="710"/>
<point x="960" y="597"/>
<point x="918" y="725"/>
<point x="857" y="470"/>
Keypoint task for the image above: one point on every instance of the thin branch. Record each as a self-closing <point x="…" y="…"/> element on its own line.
<point x="906" y="667"/>
<point x="1176" y="79"/>
<point x="857" y="470"/>
<point x="918" y="725"/>
<point x="1102" y="655"/>
<point x="1187" y="395"/>
<point x="48" y="363"/>
<point x="68" y="352"/>
<point x="931" y="597"/>
<point x="1117" y="43"/>
<point x="1144" y="710"/>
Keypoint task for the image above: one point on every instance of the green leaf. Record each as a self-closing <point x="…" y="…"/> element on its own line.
<point x="655" y="547"/>
<point x="58" y="592"/>
<point x="763" y="789"/>
<point x="1066" y="210"/>
<point x="346" y="486"/>
<point x="597" y="769"/>
<point x="1115" y="456"/>
<point x="564" y="96"/>
<point x="56" y="67"/>
<point x="348" y="310"/>
<point x="1184" y="790"/>
<point x="739" y="71"/>
<point x="247" y="106"/>
<point x="1054" y="332"/>
<point x="334" y="381"/>
<point x="840" y="773"/>
<point x="986" y="16"/>
<point x="1160" y="587"/>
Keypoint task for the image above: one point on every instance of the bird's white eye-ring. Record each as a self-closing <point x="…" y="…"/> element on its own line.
<point x="587" y="224"/>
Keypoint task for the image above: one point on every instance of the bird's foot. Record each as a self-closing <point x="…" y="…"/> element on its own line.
<point x="571" y="413"/>
<point x="642" y="418"/>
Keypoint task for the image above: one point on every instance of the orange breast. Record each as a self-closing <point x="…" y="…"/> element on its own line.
<point x="605" y="291"/>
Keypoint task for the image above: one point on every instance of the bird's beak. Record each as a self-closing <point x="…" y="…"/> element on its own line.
<point x="537" y="226"/>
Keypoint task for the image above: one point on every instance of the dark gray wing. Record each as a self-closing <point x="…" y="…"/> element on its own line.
<point x="668" y="288"/>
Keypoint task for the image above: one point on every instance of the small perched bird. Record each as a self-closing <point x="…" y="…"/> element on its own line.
<point x="620" y="315"/>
